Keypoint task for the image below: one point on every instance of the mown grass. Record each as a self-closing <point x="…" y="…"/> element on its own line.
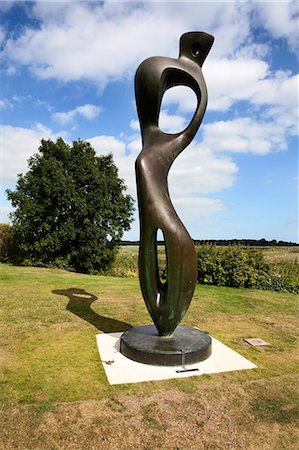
<point x="54" y="393"/>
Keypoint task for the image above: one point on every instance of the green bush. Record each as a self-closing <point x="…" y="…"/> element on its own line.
<point x="7" y="243"/>
<point x="234" y="266"/>
<point x="276" y="283"/>
<point x="239" y="266"/>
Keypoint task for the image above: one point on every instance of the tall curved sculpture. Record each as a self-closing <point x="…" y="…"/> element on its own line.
<point x="168" y="301"/>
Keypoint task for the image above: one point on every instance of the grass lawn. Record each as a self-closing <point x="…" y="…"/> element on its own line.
<point x="53" y="389"/>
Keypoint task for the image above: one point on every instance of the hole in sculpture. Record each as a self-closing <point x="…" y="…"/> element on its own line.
<point x="161" y="257"/>
<point x="195" y="50"/>
<point x="177" y="109"/>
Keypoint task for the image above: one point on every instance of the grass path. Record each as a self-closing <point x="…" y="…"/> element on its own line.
<point x="53" y="389"/>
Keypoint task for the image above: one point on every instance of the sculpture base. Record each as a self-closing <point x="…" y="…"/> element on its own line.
<point x="187" y="345"/>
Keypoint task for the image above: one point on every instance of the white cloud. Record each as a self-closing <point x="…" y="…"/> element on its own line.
<point x="108" y="144"/>
<point x="281" y="89"/>
<point x="87" y="111"/>
<point x="180" y="97"/>
<point x="134" y="145"/>
<point x="200" y="171"/>
<point x="280" y="19"/>
<point x="169" y="123"/>
<point x="3" y="103"/>
<point x="115" y="37"/>
<point x="18" y="144"/>
<point x="245" y="135"/>
<point x="104" y="49"/>
<point x="195" y="207"/>
<point x="227" y="80"/>
<point x="6" y="5"/>
<point x="134" y="124"/>
<point x="2" y="35"/>
<point x="232" y="80"/>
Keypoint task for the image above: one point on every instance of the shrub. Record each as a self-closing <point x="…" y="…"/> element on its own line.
<point x="239" y="266"/>
<point x="234" y="266"/>
<point x="7" y="243"/>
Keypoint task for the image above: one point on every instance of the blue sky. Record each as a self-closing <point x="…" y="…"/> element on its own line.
<point x="67" y="69"/>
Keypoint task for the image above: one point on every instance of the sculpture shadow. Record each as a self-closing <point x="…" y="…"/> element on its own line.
<point x="80" y="304"/>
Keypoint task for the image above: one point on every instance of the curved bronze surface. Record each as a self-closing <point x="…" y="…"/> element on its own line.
<point x="167" y="302"/>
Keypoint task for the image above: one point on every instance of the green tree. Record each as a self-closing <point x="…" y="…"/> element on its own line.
<point x="70" y="208"/>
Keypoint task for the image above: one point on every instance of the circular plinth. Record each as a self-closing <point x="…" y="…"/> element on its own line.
<point x="187" y="345"/>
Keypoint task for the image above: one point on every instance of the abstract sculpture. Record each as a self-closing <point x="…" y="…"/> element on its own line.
<point x="167" y="302"/>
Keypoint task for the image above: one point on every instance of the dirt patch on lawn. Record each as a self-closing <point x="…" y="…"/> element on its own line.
<point x="166" y="419"/>
<point x="3" y="358"/>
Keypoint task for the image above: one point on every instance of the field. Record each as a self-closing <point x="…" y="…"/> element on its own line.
<point x="54" y="393"/>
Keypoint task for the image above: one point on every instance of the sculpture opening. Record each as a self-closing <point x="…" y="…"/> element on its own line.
<point x="182" y="100"/>
<point x="161" y="255"/>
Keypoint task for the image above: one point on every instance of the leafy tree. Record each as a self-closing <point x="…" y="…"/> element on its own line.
<point x="70" y="208"/>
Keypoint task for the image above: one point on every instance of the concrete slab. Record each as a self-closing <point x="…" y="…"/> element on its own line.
<point x="122" y="370"/>
<point x="257" y="342"/>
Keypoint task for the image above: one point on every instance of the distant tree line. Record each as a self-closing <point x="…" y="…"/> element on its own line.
<point x="224" y="242"/>
<point x="249" y="242"/>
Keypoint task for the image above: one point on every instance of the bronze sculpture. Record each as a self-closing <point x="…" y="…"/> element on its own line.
<point x="168" y="301"/>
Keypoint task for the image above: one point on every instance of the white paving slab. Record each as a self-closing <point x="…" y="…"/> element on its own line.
<point x="122" y="370"/>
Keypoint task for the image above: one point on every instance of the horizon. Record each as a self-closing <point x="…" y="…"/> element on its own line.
<point x="239" y="176"/>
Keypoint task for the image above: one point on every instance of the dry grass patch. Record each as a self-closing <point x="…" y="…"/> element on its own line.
<point x="220" y="416"/>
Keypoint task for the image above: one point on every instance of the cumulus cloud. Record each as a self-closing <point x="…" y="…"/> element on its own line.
<point x="245" y="135"/>
<point x="115" y="37"/>
<point x="3" y="103"/>
<point x="18" y="144"/>
<point x="169" y="123"/>
<point x="197" y="207"/>
<point x="108" y="144"/>
<point x="200" y="171"/>
<point x="2" y="35"/>
<point x="197" y="173"/>
<point x="183" y="99"/>
<point x="230" y="81"/>
<point x="104" y="49"/>
<point x="280" y="19"/>
<point x="87" y="111"/>
<point x="134" y="124"/>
